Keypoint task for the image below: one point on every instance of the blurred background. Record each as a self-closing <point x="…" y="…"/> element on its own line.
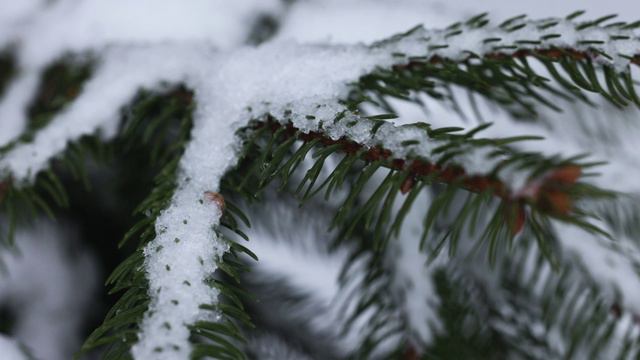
<point x="88" y="231"/>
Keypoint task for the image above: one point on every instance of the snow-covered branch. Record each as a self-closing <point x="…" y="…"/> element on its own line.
<point x="306" y="89"/>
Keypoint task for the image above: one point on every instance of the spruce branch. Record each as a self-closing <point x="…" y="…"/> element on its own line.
<point x="551" y="189"/>
<point x="505" y="67"/>
<point x="119" y="331"/>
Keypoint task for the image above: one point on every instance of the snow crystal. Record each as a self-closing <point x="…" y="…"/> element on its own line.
<point x="232" y="83"/>
<point x="224" y="86"/>
<point x="304" y="81"/>
<point x="49" y="290"/>
<point x="458" y="46"/>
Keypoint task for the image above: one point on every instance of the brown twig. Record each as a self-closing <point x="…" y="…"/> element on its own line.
<point x="549" y="193"/>
<point x="552" y="53"/>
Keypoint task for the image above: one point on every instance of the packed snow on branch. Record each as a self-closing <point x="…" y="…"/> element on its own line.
<point x="296" y="83"/>
<point x="226" y="85"/>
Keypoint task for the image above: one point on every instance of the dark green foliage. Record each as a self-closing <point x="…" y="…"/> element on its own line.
<point x="373" y="302"/>
<point x="466" y="334"/>
<point x="263" y="29"/>
<point x="512" y="80"/>
<point x="61" y="82"/>
<point x="47" y="195"/>
<point x="164" y="139"/>
<point x="368" y="181"/>
<point x="119" y="329"/>
<point x="356" y="170"/>
<point x="7" y="320"/>
<point x="568" y="306"/>
<point x="509" y="81"/>
<point x="274" y="152"/>
<point x="7" y="69"/>
<point x="569" y="303"/>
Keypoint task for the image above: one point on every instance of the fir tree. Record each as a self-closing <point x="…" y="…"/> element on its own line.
<point x="466" y="192"/>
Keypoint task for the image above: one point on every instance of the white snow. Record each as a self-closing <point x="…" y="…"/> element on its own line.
<point x="292" y="248"/>
<point x="272" y="347"/>
<point x="79" y="26"/>
<point x="295" y="243"/>
<point x="615" y="265"/>
<point x="10" y="349"/>
<point x="224" y="87"/>
<point x="49" y="290"/>
<point x="122" y="71"/>
<point x="501" y="9"/>
<point x="14" y="104"/>
<point x="72" y="26"/>
<point x="414" y="45"/>
<point x="229" y="85"/>
<point x="414" y="274"/>
<point x="295" y="82"/>
<point x="353" y="21"/>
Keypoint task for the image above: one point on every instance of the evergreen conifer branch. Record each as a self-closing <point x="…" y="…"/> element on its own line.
<point x="551" y="188"/>
<point x="572" y="303"/>
<point x="214" y="339"/>
<point x="275" y="148"/>
<point x="279" y="161"/>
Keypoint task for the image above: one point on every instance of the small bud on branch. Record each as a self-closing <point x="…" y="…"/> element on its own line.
<point x="215" y="198"/>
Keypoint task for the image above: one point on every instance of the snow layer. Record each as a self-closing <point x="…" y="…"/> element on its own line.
<point x="230" y="88"/>
<point x="420" y="43"/>
<point x="77" y="26"/>
<point x="353" y="21"/>
<point x="48" y="289"/>
<point x="44" y="31"/>
<point x="224" y="88"/>
<point x="225" y="85"/>
<point x="502" y="9"/>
